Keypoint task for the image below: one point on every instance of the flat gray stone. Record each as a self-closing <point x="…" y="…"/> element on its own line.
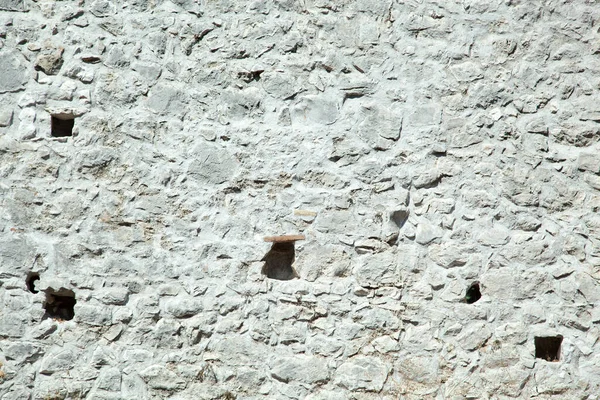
<point x="13" y="77"/>
<point x="362" y="373"/>
<point x="307" y="369"/>
<point x="12" y="5"/>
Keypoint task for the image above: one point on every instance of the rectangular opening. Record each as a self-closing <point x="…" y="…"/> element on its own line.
<point x="60" y="305"/>
<point x="62" y="127"/>
<point x="548" y="347"/>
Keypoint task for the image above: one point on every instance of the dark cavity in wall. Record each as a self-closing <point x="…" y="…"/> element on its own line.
<point x="30" y="281"/>
<point x="548" y="347"/>
<point x="60" y="304"/>
<point x="279" y="260"/>
<point x="473" y="293"/>
<point x="62" y="126"/>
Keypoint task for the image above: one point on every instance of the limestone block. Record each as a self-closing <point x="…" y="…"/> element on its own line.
<point x="301" y="368"/>
<point x="115" y="295"/>
<point x="427" y="233"/>
<point x="362" y="373"/>
<point x="212" y="165"/>
<point x="377" y="270"/>
<point x="160" y="377"/>
<point x="182" y="307"/>
<point x="14" y="77"/>
<point x="589" y="162"/>
<point x="321" y="110"/>
<point x="93" y="315"/>
<point x="12" y="5"/>
<point x="59" y="359"/>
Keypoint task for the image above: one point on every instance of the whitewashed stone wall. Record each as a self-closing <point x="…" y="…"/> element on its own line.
<point x="420" y="146"/>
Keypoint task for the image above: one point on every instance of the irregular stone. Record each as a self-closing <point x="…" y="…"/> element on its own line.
<point x="301" y="368"/>
<point x="165" y="99"/>
<point x="13" y="77"/>
<point x="58" y="360"/>
<point x="22" y="352"/>
<point x="116" y="295"/>
<point x="181" y="307"/>
<point x="160" y="377"/>
<point x="51" y="62"/>
<point x="315" y="109"/>
<point x="93" y="315"/>
<point x="109" y="379"/>
<point x="425" y="116"/>
<point x="467" y="71"/>
<point x="6" y="117"/>
<point x="372" y="271"/>
<point x="211" y="164"/>
<point x="12" y="5"/>
<point x="589" y="162"/>
<point x="362" y="373"/>
<point x="427" y="233"/>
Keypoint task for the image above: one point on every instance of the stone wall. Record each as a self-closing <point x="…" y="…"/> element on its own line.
<point x="441" y="159"/>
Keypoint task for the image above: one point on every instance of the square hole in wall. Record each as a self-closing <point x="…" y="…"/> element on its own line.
<point x="548" y="347"/>
<point x="62" y="126"/>
<point x="60" y="304"/>
<point x="279" y="260"/>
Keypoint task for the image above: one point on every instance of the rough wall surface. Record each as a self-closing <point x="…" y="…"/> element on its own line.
<point x="420" y="146"/>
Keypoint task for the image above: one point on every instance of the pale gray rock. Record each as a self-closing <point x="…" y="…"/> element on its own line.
<point x="6" y="117"/>
<point x="377" y="270"/>
<point x="159" y="377"/>
<point x="311" y="109"/>
<point x="425" y="116"/>
<point x="12" y="5"/>
<point x="115" y="296"/>
<point x="93" y="315"/>
<point x="59" y="359"/>
<point x="589" y="162"/>
<point x="211" y="164"/>
<point x="183" y="307"/>
<point x="300" y="368"/>
<point x="467" y="71"/>
<point x="109" y="379"/>
<point x="22" y="352"/>
<point x="427" y="233"/>
<point x="362" y="373"/>
<point x="14" y="77"/>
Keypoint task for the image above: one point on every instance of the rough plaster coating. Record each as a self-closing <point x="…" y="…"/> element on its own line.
<point x="420" y="147"/>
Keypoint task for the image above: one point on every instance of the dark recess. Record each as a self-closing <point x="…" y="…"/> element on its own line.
<point x="62" y="127"/>
<point x="60" y="305"/>
<point x="279" y="260"/>
<point x="473" y="293"/>
<point x="30" y="281"/>
<point x="548" y="347"/>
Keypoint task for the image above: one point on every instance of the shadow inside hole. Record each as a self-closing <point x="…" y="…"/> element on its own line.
<point x="399" y="217"/>
<point x="62" y="127"/>
<point x="30" y="281"/>
<point x="473" y="293"/>
<point x="278" y="262"/>
<point x="60" y="305"/>
<point x="548" y="347"/>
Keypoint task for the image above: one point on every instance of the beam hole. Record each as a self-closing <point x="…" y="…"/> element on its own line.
<point x="548" y="347"/>
<point x="279" y="260"/>
<point x="62" y="127"/>
<point x="60" y="304"/>
<point x="473" y="293"/>
<point x="30" y="281"/>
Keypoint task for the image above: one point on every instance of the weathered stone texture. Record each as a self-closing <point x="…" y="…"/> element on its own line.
<point x="418" y="147"/>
